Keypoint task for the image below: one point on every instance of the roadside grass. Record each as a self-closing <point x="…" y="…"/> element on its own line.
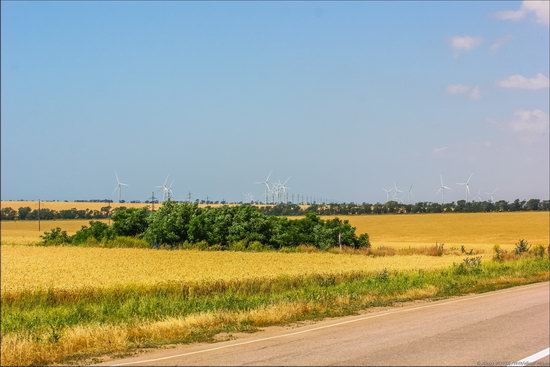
<point x="67" y="326"/>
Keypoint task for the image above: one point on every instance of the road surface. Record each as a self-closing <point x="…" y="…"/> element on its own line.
<point x="497" y="328"/>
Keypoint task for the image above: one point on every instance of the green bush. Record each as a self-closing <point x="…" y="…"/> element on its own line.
<point x="238" y="246"/>
<point x="55" y="237"/>
<point x="130" y="221"/>
<point x="256" y="246"/>
<point x="97" y="231"/>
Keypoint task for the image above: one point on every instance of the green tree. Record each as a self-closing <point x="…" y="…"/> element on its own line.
<point x="130" y="221"/>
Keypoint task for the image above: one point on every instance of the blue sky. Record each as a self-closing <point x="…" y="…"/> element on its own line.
<point x="346" y="98"/>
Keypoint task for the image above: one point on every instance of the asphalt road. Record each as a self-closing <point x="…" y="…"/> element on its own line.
<point x="497" y="328"/>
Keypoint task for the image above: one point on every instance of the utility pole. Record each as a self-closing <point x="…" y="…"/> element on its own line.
<point x="153" y="202"/>
<point x="189" y="196"/>
<point x="109" y="211"/>
<point x="38" y="215"/>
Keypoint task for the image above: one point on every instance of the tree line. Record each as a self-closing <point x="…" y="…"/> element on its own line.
<point x="242" y="227"/>
<point x="391" y="207"/>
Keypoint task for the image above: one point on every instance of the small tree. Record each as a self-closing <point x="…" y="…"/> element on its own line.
<point x="522" y="246"/>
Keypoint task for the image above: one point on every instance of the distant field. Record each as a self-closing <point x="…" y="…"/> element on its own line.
<point x="473" y="230"/>
<point x="478" y="230"/>
<point x="26" y="231"/>
<point x="61" y="205"/>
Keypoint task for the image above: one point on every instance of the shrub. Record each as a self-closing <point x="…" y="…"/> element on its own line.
<point x="257" y="246"/>
<point x="97" y="231"/>
<point x="539" y="251"/>
<point x="499" y="253"/>
<point x="363" y="241"/>
<point x="55" y="237"/>
<point x="237" y="246"/>
<point x="522" y="246"/>
<point x="127" y="242"/>
<point x="469" y="265"/>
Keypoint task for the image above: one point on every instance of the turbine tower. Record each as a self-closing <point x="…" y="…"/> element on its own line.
<point x="285" y="188"/>
<point x="409" y="194"/>
<point x="492" y="195"/>
<point x="267" y="188"/>
<point x="388" y="192"/>
<point x="442" y="189"/>
<point x="166" y="190"/>
<point x="396" y="192"/>
<point x="118" y="187"/>
<point x="467" y="186"/>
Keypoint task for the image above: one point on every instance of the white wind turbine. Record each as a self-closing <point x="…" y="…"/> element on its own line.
<point x="388" y="192"/>
<point x="409" y="194"/>
<point x="442" y="189"/>
<point x="118" y="187"/>
<point x="166" y="190"/>
<point x="492" y="195"/>
<point x="284" y="188"/>
<point x="478" y="196"/>
<point x="396" y="192"/>
<point x="267" y="187"/>
<point x="467" y="185"/>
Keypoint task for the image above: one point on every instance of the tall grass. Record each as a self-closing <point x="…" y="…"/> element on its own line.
<point x="57" y="326"/>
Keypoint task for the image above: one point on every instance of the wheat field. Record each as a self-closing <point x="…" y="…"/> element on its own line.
<point x="474" y="230"/>
<point x="72" y="268"/>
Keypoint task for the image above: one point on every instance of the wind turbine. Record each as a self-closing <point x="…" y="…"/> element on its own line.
<point x="478" y="197"/>
<point x="492" y="195"/>
<point x="165" y="189"/>
<point x="396" y="192"/>
<point x="284" y="188"/>
<point x="442" y="189"/>
<point x="467" y="185"/>
<point x="409" y="194"/>
<point x="118" y="187"/>
<point x="267" y="188"/>
<point x="388" y="192"/>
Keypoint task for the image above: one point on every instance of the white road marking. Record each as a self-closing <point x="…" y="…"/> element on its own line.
<point x="533" y="358"/>
<point x="332" y="325"/>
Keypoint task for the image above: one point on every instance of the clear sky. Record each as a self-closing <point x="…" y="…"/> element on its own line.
<point x="346" y="98"/>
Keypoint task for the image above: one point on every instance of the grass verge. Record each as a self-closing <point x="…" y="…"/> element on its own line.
<point x="62" y="326"/>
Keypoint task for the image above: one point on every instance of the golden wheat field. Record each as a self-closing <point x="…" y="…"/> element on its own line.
<point x="70" y="268"/>
<point x="26" y="231"/>
<point x="473" y="230"/>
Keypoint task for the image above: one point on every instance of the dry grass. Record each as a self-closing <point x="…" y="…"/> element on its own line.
<point x="473" y="230"/>
<point x="71" y="268"/>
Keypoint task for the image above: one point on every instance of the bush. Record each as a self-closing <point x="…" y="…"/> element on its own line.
<point x="364" y="241"/>
<point x="522" y="246"/>
<point x="257" y="246"/>
<point x="55" y="237"/>
<point x="130" y="221"/>
<point x="499" y="253"/>
<point x="539" y="251"/>
<point x="97" y="231"/>
<point x="237" y="246"/>
<point x="127" y="242"/>
<point x="469" y="265"/>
